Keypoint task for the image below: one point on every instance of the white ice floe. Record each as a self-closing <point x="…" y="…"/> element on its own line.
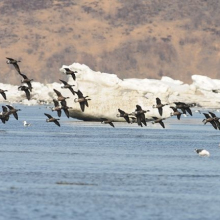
<point x="108" y="93"/>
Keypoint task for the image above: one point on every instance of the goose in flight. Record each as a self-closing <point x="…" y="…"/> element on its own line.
<point x="51" y="119"/>
<point x="26" y="90"/>
<point x="107" y="121"/>
<point x="83" y="100"/>
<point x="59" y="95"/>
<point x="27" y="81"/>
<point x="14" y="63"/>
<point x="67" y="86"/>
<point x="70" y="72"/>
<point x="124" y="115"/>
<point x="13" y="111"/>
<point x="3" y="93"/>
<point x="159" y="106"/>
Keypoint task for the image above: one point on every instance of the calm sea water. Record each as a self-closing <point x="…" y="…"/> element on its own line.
<point x="87" y="170"/>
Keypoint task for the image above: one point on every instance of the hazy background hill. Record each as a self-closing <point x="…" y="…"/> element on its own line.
<point x="133" y="38"/>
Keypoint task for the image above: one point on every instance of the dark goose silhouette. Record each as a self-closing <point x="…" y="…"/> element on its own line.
<point x="3" y="93"/>
<point x="65" y="108"/>
<point x="83" y="100"/>
<point x="159" y="106"/>
<point x="67" y="86"/>
<point x="210" y="120"/>
<point x="183" y="107"/>
<point x="51" y="119"/>
<point x="14" y="63"/>
<point x="139" y="113"/>
<point x="27" y="81"/>
<point x="70" y="72"/>
<point x="107" y="121"/>
<point x="57" y="107"/>
<point x="59" y="95"/>
<point x="158" y="120"/>
<point x="26" y="90"/>
<point x="176" y="112"/>
<point x="5" y="114"/>
<point x="216" y="119"/>
<point x="124" y="115"/>
<point x="13" y="111"/>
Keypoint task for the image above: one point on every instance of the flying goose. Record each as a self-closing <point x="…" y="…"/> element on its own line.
<point x="158" y="120"/>
<point x="159" y="106"/>
<point x="14" y="63"/>
<point x="139" y="114"/>
<point x="83" y="100"/>
<point x="3" y="93"/>
<point x="27" y="81"/>
<point x="67" y="86"/>
<point x="107" y="121"/>
<point x="57" y="107"/>
<point x="70" y="72"/>
<point x="183" y="107"/>
<point x="216" y="119"/>
<point x="4" y="114"/>
<point x="124" y="115"/>
<point x="13" y="111"/>
<point x="51" y="119"/>
<point x="176" y="112"/>
<point x="209" y="119"/>
<point x="65" y="108"/>
<point x="59" y="95"/>
<point x="26" y="90"/>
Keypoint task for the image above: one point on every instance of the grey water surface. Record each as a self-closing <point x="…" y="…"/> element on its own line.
<point x="88" y="170"/>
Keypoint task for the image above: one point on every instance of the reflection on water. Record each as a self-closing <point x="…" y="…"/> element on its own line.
<point x="87" y="170"/>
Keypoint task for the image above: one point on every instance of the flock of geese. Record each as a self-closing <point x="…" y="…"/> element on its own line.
<point x="60" y="104"/>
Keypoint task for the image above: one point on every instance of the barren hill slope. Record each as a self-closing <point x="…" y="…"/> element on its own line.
<point x="129" y="38"/>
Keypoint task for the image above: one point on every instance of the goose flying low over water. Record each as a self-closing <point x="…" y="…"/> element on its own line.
<point x="176" y="112"/>
<point x="51" y="119"/>
<point x="107" y="121"/>
<point x="159" y="106"/>
<point x="210" y="120"/>
<point x="67" y="86"/>
<point x="139" y="113"/>
<point x="215" y="119"/>
<point x="13" y="111"/>
<point x="158" y="120"/>
<point x="4" y="114"/>
<point x="57" y="107"/>
<point x="202" y="152"/>
<point x="183" y="107"/>
<point x="65" y="108"/>
<point x="14" y="63"/>
<point x="83" y="100"/>
<point x="124" y="115"/>
<point x="59" y="96"/>
<point x="70" y="72"/>
<point x="3" y="93"/>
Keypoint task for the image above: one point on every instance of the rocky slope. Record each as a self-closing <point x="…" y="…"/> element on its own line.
<point x="138" y="39"/>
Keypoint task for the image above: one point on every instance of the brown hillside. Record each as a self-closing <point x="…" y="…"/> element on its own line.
<point x="137" y="38"/>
